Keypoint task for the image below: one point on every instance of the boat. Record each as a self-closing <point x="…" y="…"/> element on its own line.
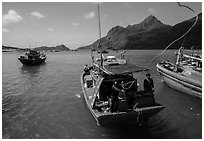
<point x="127" y="106"/>
<point x="32" y="58"/>
<point x="97" y="89"/>
<point x="185" y="75"/>
<point x="111" y="60"/>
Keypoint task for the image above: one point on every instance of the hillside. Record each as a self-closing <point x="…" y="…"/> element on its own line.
<point x="45" y="48"/>
<point x="151" y="33"/>
<point x="9" y="48"/>
<point x="57" y="48"/>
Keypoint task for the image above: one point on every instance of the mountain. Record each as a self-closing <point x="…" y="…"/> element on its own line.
<point x="151" y="33"/>
<point x="7" y="48"/>
<point x="57" y="48"/>
<point x="45" y="48"/>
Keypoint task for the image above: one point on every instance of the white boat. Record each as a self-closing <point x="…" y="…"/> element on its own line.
<point x="110" y="60"/>
<point x="185" y="75"/>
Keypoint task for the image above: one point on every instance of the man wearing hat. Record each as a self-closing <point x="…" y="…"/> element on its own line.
<point x="148" y="84"/>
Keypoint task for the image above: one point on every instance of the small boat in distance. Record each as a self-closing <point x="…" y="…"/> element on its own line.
<point x="111" y="60"/>
<point x="185" y="75"/>
<point x="32" y="58"/>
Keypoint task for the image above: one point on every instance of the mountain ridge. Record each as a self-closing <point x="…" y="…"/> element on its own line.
<point x="45" y="48"/>
<point x="151" y="33"/>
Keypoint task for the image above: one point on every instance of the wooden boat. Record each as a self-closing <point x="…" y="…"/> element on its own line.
<point x="185" y="75"/>
<point x="97" y="90"/>
<point x="32" y="58"/>
<point x="97" y="84"/>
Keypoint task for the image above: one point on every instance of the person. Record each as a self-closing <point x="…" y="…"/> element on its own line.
<point x="148" y="84"/>
<point x="86" y="69"/>
<point x="114" y="97"/>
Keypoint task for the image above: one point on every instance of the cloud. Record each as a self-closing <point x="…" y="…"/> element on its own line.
<point x="50" y="29"/>
<point x="5" y="30"/>
<point x="11" y="17"/>
<point x="152" y="10"/>
<point x="89" y="15"/>
<point x="37" y="15"/>
<point x="75" y="24"/>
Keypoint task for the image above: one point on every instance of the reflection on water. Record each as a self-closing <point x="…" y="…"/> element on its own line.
<point x="32" y="71"/>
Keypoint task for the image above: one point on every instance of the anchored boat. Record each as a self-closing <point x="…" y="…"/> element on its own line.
<point x="107" y="103"/>
<point x="133" y="105"/>
<point x="185" y="75"/>
<point x="111" y="60"/>
<point x="32" y="58"/>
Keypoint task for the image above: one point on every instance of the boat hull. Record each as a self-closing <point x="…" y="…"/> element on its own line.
<point x="135" y="116"/>
<point x="31" y="62"/>
<point x="180" y="82"/>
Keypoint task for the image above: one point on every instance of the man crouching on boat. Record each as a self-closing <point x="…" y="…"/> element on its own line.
<point x="114" y="97"/>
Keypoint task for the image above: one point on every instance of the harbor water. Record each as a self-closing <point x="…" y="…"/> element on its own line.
<point x="46" y="101"/>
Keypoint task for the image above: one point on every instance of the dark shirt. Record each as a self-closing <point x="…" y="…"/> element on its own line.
<point x="148" y="85"/>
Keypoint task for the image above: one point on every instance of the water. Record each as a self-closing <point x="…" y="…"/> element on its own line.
<point x="46" y="102"/>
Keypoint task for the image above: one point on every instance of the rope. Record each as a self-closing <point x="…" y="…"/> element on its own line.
<point x="132" y="82"/>
<point x="180" y="36"/>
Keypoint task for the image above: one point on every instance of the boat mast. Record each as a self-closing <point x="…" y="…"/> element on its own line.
<point x="99" y="45"/>
<point x="179" y="54"/>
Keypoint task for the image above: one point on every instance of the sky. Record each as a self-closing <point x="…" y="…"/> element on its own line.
<point x="75" y="24"/>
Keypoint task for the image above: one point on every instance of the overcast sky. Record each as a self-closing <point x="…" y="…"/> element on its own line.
<point x="76" y="24"/>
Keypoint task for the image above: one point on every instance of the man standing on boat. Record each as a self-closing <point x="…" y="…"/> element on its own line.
<point x="114" y="96"/>
<point x="148" y="84"/>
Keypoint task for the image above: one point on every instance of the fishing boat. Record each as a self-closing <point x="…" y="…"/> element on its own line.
<point x="185" y="75"/>
<point x="133" y="105"/>
<point x="128" y="105"/>
<point x="32" y="58"/>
